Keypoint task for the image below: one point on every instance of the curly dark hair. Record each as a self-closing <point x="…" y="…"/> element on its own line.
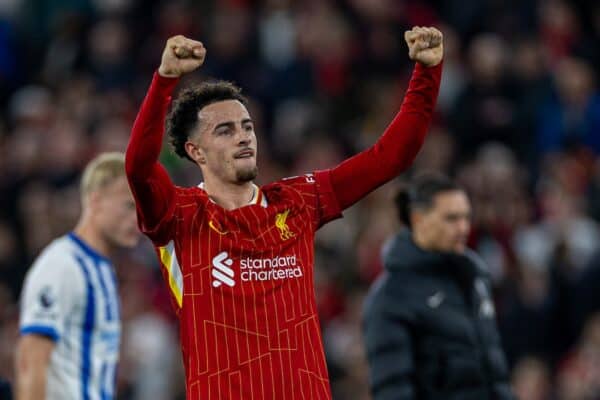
<point x="184" y="112"/>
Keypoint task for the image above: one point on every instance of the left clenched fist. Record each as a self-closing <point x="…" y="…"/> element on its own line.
<point x="425" y="45"/>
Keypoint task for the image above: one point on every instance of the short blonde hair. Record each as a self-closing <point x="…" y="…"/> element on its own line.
<point x="100" y="171"/>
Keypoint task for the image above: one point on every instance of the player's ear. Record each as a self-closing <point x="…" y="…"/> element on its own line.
<point x="416" y="216"/>
<point x="195" y="152"/>
<point x="91" y="200"/>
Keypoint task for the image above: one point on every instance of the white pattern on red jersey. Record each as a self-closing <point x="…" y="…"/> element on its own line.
<point x="242" y="285"/>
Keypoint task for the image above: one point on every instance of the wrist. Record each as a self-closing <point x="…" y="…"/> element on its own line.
<point x="165" y="73"/>
<point x="164" y="82"/>
<point x="431" y="65"/>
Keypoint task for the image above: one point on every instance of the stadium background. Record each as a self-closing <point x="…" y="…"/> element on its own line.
<point x="517" y="123"/>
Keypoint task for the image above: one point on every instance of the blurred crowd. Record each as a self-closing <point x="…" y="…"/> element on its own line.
<point x="517" y="123"/>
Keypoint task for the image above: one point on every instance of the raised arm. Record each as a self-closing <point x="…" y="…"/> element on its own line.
<point x="398" y="146"/>
<point x="151" y="186"/>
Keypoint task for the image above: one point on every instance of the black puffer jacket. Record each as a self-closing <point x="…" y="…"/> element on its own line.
<point x="430" y="330"/>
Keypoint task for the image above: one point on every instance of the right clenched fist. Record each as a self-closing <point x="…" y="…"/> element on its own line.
<point x="181" y="56"/>
<point x="425" y="45"/>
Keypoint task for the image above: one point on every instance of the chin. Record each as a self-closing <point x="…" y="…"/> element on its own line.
<point x="129" y="241"/>
<point x="460" y="249"/>
<point x="246" y="175"/>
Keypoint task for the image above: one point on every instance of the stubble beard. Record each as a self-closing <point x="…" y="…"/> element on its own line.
<point x="246" y="175"/>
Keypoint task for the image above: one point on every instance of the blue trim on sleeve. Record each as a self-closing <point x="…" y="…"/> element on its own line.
<point x="43" y="330"/>
<point x="87" y="331"/>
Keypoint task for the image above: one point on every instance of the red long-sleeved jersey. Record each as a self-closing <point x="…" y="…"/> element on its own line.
<point x="242" y="280"/>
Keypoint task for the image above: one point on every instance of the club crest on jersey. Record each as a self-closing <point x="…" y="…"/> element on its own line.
<point x="281" y="223"/>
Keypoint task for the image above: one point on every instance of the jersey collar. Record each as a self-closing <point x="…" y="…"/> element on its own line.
<point x="257" y="196"/>
<point x="87" y="249"/>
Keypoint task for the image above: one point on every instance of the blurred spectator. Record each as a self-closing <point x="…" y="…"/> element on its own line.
<point x="559" y="30"/>
<point x="9" y="63"/>
<point x="438" y="152"/>
<point x="586" y="301"/>
<point x="529" y="70"/>
<point x="570" y="116"/>
<point x="529" y="300"/>
<point x="531" y="380"/>
<point x="343" y="338"/>
<point x="497" y="213"/>
<point x="579" y="373"/>
<point x="485" y="110"/>
<point x="453" y="80"/>
<point x="109" y="54"/>
<point x="11" y="274"/>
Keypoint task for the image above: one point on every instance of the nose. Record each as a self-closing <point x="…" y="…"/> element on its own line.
<point x="464" y="226"/>
<point x="244" y="137"/>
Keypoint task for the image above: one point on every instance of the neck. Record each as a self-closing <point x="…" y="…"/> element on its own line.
<point x="86" y="232"/>
<point x="421" y="242"/>
<point x="230" y="196"/>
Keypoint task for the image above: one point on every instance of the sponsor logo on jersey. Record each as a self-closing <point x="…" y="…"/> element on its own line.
<point x="222" y="272"/>
<point x="268" y="269"/>
<point x="281" y="223"/>
<point x="254" y="269"/>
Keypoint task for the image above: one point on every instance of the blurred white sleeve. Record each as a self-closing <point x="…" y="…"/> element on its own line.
<point x="53" y="287"/>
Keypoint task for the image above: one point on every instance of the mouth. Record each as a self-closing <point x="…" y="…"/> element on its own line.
<point x="245" y="153"/>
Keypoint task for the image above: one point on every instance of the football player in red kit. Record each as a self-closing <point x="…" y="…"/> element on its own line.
<point x="238" y="258"/>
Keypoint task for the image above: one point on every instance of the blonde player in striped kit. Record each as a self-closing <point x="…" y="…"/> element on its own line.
<point x="70" y="322"/>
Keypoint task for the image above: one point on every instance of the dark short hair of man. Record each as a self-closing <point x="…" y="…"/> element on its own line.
<point x="183" y="117"/>
<point x="420" y="193"/>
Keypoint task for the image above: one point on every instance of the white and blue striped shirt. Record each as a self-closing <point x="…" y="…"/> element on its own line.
<point x="70" y="295"/>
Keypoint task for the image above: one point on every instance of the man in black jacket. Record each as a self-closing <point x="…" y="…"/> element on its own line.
<point x="429" y="321"/>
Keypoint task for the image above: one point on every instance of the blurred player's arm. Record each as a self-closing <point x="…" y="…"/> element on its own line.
<point x="398" y="146"/>
<point x="31" y="365"/>
<point x="149" y="181"/>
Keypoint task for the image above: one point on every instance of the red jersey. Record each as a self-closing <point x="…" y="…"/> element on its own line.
<point x="242" y="280"/>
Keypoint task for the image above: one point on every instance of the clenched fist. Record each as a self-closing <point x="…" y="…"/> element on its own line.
<point x="425" y="45"/>
<point x="181" y="56"/>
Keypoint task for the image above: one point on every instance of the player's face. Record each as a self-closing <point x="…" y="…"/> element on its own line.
<point x="115" y="214"/>
<point x="447" y="223"/>
<point x="226" y="142"/>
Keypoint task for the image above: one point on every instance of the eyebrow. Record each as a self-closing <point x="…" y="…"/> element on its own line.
<point x="232" y="123"/>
